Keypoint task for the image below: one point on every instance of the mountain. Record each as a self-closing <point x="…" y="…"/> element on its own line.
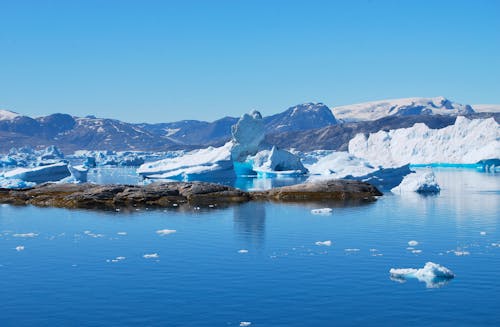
<point x="486" y="107"/>
<point x="400" y="107"/>
<point x="305" y="126"/>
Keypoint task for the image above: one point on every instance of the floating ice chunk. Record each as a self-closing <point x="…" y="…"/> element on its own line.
<point x="163" y="232"/>
<point x="117" y="259"/>
<point x="323" y="211"/>
<point x="432" y="274"/>
<point x="40" y="174"/>
<point x="416" y="251"/>
<point x="482" y="233"/>
<point x="25" y="235"/>
<point x="243" y="251"/>
<point x="14" y="183"/>
<point x="245" y="323"/>
<point x="122" y="233"/>
<point x="412" y="243"/>
<point x="151" y="256"/>
<point x="461" y="253"/>
<point x="420" y="182"/>
<point x="352" y="250"/>
<point x="496" y="245"/>
<point x="20" y="248"/>
<point x="324" y="243"/>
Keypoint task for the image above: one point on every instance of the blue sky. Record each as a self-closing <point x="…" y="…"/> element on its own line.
<point x="170" y="60"/>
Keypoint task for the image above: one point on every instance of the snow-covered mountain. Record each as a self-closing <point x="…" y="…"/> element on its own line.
<point x="301" y="117"/>
<point x="400" y="107"/>
<point x="486" y="108"/>
<point x="7" y="115"/>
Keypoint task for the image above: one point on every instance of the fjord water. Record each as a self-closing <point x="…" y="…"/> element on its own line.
<point x="86" y="268"/>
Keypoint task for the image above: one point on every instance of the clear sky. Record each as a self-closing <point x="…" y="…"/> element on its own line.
<point x="160" y="61"/>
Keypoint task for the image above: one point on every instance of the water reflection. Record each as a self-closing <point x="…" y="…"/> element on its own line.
<point x="250" y="223"/>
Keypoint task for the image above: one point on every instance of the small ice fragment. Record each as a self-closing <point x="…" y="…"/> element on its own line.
<point x="352" y="250"/>
<point x="151" y="256"/>
<point x="163" y="232"/>
<point x="482" y="233"/>
<point x="174" y="205"/>
<point x="120" y="258"/>
<point x="196" y="208"/>
<point x="373" y="250"/>
<point x="122" y="233"/>
<point x="87" y="232"/>
<point x="117" y="210"/>
<point x="433" y="274"/>
<point x="245" y="323"/>
<point x="211" y="205"/>
<point x="25" y="235"/>
<point x="412" y="243"/>
<point x="324" y="243"/>
<point x="19" y="248"/>
<point x="410" y="248"/>
<point x="461" y="253"/>
<point x="416" y="251"/>
<point x="323" y="211"/>
<point x="243" y="251"/>
<point x="495" y="245"/>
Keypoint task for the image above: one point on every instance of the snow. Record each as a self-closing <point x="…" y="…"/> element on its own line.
<point x="486" y="108"/>
<point x="423" y="182"/>
<point x="432" y="274"/>
<point x="323" y="243"/>
<point x="40" y="174"/>
<point x="399" y="107"/>
<point x="465" y="142"/>
<point x="8" y="115"/>
<point x="322" y="211"/>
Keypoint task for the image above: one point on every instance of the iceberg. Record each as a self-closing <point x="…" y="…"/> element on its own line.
<point x="198" y="164"/>
<point x="41" y="174"/>
<point x="245" y="154"/>
<point x="14" y="183"/>
<point x="277" y="162"/>
<point x="323" y="243"/>
<point x="322" y="211"/>
<point x="432" y="274"/>
<point x="420" y="182"/>
<point x="465" y="142"/>
<point x="79" y="173"/>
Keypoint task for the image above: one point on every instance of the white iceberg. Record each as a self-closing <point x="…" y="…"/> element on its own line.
<point x="151" y="256"/>
<point x="19" y="248"/>
<point x="13" y="183"/>
<point x="276" y="162"/>
<point x="412" y="243"/>
<point x="465" y="142"/>
<point x="40" y="174"/>
<point x="243" y="251"/>
<point x="420" y="182"/>
<point x="209" y="162"/>
<point x="323" y="243"/>
<point x="432" y="274"/>
<point x="247" y="135"/>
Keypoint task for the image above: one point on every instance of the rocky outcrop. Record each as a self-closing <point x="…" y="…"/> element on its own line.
<point x="94" y="196"/>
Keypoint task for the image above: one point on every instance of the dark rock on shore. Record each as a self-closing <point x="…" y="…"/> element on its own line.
<point x="93" y="196"/>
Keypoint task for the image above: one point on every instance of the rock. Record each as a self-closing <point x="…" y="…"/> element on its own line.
<point x="94" y="196"/>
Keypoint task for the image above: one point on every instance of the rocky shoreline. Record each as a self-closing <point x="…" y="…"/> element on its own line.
<point x="162" y="195"/>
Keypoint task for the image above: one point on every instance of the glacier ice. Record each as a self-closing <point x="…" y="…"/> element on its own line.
<point x="40" y="174"/>
<point x="247" y="135"/>
<point x="423" y="182"/>
<point x="432" y="274"/>
<point x="465" y="142"/>
<point x="277" y="161"/>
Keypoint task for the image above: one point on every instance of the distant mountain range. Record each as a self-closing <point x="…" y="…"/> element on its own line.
<point x="306" y="126"/>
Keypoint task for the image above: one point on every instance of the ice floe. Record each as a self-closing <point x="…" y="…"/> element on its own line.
<point x="432" y="274"/>
<point x="412" y="243"/>
<point x="324" y="243"/>
<point x="19" y="248"/>
<point x="243" y="251"/>
<point x="245" y="323"/>
<point x="25" y="235"/>
<point x="163" y="232"/>
<point x="151" y="256"/>
<point x="322" y="211"/>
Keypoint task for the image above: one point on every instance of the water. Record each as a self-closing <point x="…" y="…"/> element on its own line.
<point x="63" y="277"/>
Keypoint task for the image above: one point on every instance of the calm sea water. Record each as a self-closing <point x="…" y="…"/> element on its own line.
<point x="87" y="268"/>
